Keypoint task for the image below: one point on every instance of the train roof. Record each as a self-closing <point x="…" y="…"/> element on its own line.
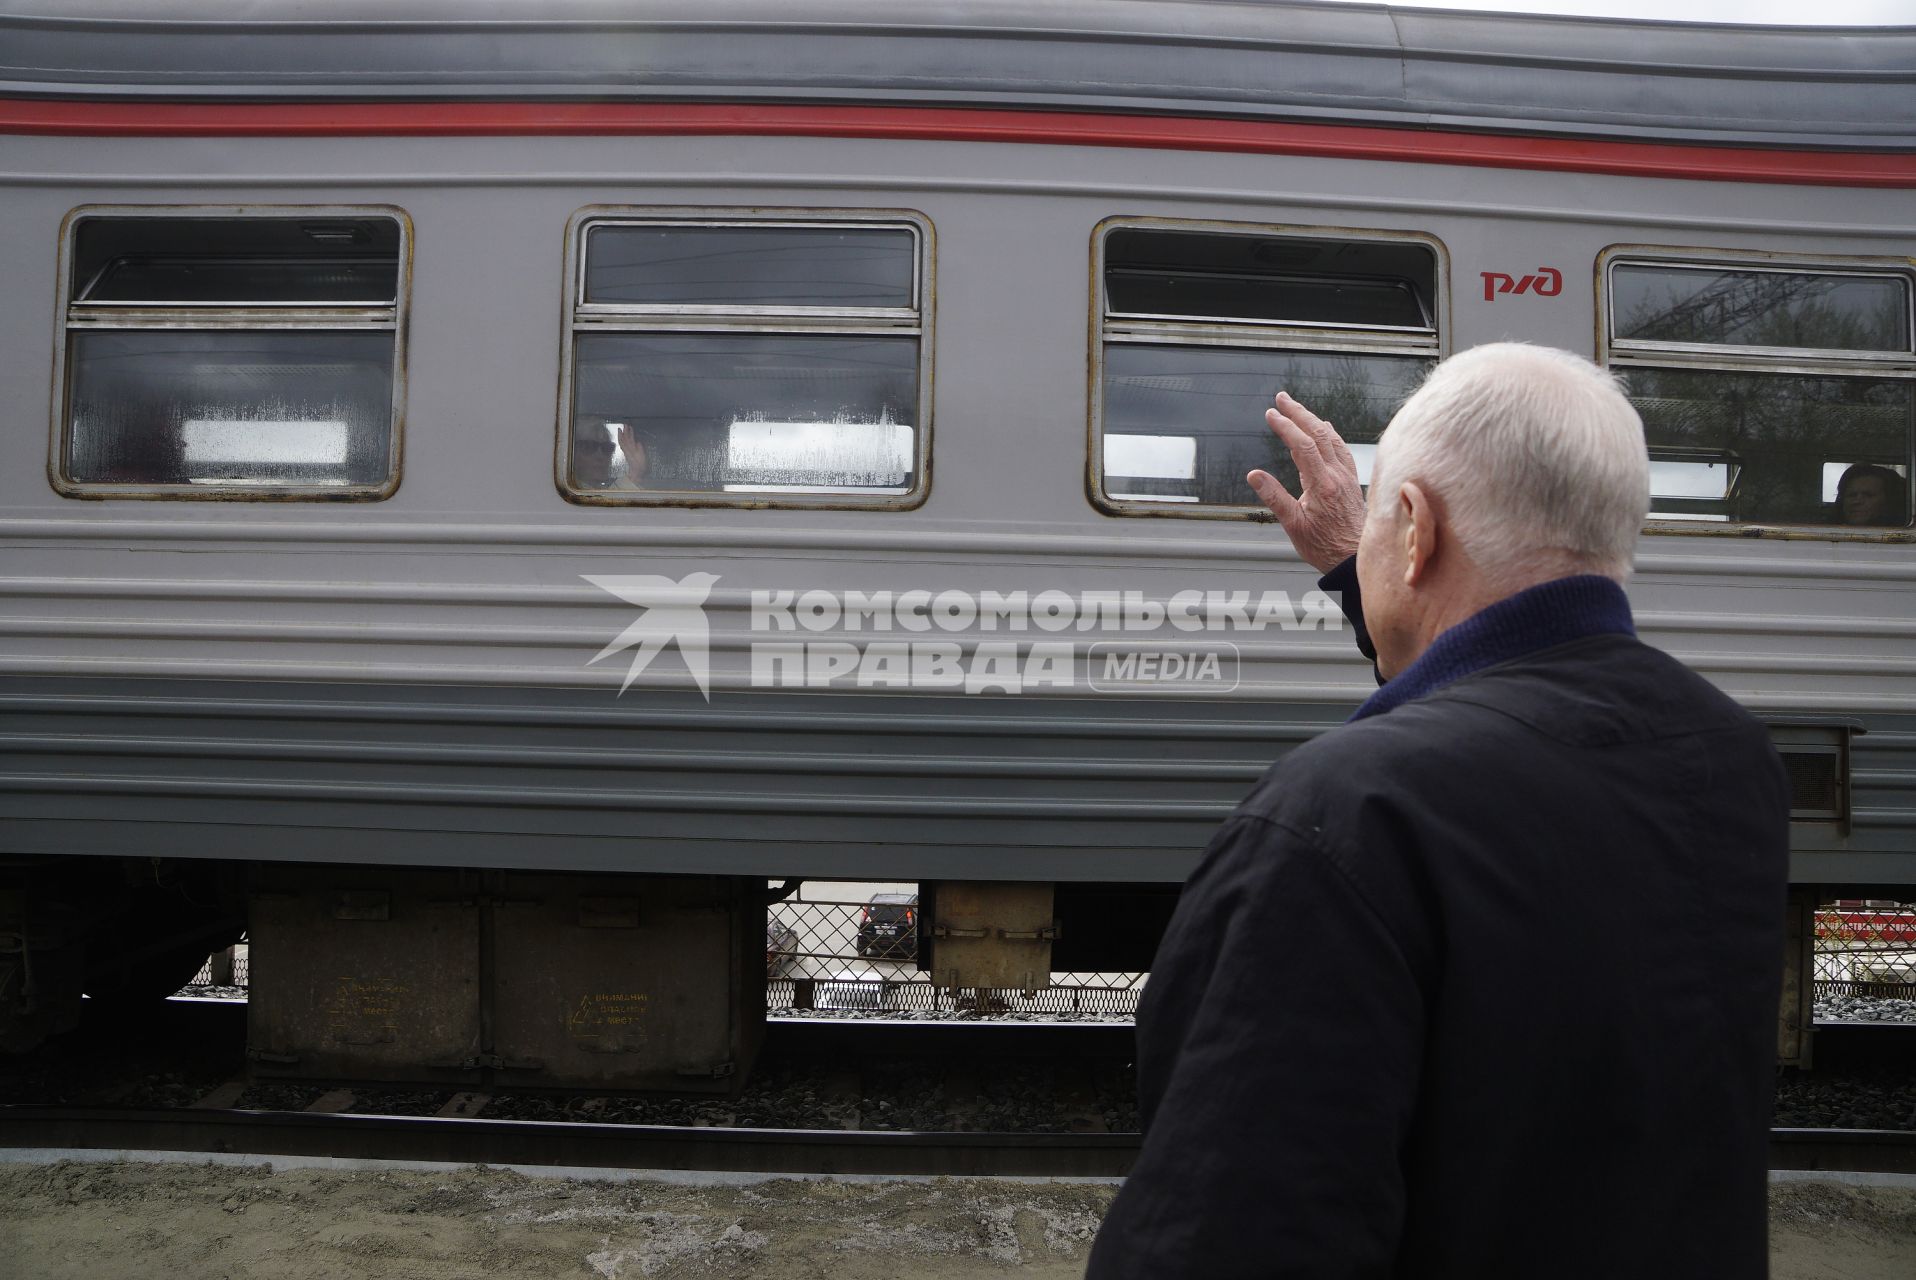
<point x="1289" y="60"/>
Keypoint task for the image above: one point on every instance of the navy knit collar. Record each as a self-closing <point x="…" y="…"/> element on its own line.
<point x="1542" y="617"/>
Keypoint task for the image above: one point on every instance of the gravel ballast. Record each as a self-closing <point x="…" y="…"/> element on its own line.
<point x="1864" y="1009"/>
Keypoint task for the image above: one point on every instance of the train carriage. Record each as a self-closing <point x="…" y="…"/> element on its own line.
<point x="482" y="493"/>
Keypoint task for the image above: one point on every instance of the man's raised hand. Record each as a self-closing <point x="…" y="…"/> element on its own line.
<point x="1325" y="520"/>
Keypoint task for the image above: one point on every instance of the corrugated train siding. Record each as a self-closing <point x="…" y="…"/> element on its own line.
<point x="466" y="588"/>
<point x="766" y="783"/>
<point x="438" y="707"/>
<point x="1883" y="777"/>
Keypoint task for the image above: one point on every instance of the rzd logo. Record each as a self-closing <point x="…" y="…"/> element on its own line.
<point x="1548" y="281"/>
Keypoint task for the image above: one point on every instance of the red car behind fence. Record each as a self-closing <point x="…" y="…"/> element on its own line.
<point x="1866" y="921"/>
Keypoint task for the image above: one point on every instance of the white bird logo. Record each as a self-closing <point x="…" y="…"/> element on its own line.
<point x="672" y="611"/>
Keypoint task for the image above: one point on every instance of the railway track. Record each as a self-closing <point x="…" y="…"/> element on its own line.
<point x="893" y="1098"/>
<point x="1843" y="1150"/>
<point x="677" y="1148"/>
<point x="571" y="1144"/>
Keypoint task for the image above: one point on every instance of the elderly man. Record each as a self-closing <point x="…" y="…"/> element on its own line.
<point x="1484" y="982"/>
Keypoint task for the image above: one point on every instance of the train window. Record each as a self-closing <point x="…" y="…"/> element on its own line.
<point x="213" y="261"/>
<point x="1151" y="272"/>
<point x="214" y="355"/>
<point x="769" y="359"/>
<point x="1771" y="393"/>
<point x="1682" y="303"/>
<point x="772" y="266"/>
<point x="1200" y="326"/>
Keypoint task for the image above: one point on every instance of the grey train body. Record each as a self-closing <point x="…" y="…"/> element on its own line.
<point x="408" y="680"/>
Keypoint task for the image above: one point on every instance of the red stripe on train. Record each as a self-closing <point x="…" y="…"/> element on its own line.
<point x="938" y="124"/>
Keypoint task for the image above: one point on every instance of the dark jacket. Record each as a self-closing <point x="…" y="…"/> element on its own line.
<point x="1481" y="984"/>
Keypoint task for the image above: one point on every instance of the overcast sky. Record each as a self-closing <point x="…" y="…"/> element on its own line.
<point x="1822" y="13"/>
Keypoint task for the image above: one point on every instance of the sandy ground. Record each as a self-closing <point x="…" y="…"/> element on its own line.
<point x="1829" y="1231"/>
<point x="214" y="1222"/>
<point x="250" y="1222"/>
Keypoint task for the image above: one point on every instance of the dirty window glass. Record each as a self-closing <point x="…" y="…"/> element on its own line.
<point x="745" y="413"/>
<point x="1184" y="424"/>
<point x="1825" y="312"/>
<point x="224" y="408"/>
<point x="782" y="362"/>
<point x="221" y="356"/>
<point x="1770" y="394"/>
<point x="1746" y="447"/>
<point x="771" y="266"/>
<point x="1200" y="329"/>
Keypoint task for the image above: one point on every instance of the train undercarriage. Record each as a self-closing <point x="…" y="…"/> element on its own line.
<point x="495" y="978"/>
<point x="524" y="979"/>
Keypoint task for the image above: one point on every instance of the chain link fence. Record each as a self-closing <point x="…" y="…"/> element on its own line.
<point x="1865" y="948"/>
<point x="862" y="957"/>
<point x="223" y="971"/>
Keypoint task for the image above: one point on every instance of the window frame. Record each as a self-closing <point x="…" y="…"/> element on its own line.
<point x="1317" y="337"/>
<point x="1623" y="355"/>
<point x="73" y="316"/>
<point x="582" y="317"/>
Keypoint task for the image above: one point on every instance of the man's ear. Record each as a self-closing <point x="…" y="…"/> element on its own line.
<point x="1418" y="512"/>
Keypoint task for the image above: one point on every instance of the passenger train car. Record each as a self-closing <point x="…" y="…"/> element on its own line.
<point x="482" y="492"/>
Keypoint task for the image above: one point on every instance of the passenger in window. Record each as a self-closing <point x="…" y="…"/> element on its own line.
<point x="592" y="450"/>
<point x="599" y="463"/>
<point x="637" y="451"/>
<point x="1868" y="495"/>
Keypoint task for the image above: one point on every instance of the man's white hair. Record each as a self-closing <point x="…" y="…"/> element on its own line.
<point x="1538" y="458"/>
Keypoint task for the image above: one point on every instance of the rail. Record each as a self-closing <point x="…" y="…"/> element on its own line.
<point x="569" y="1144"/>
<point x="664" y="1148"/>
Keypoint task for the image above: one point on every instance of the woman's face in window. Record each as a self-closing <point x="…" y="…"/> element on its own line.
<point x="1865" y="500"/>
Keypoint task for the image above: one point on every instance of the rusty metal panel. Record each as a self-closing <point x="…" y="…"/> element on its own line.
<point x="1794" y="1021"/>
<point x="364" y="975"/>
<point x="625" y="983"/>
<point x="993" y="935"/>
